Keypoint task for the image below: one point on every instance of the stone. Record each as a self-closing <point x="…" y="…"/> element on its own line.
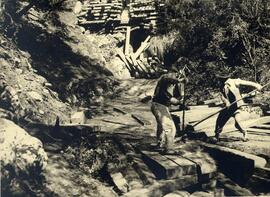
<point x="201" y="194"/>
<point x="15" y="99"/>
<point x="41" y="112"/>
<point x="120" y="182"/>
<point x="178" y="194"/>
<point x="77" y="8"/>
<point x="133" y="90"/>
<point x="36" y="96"/>
<point x="11" y="91"/>
<point x="17" y="60"/>
<point x="78" y="118"/>
<point x="82" y="29"/>
<point x="19" y="71"/>
<point x="47" y="84"/>
<point x="46" y="91"/>
<point x="20" y="151"/>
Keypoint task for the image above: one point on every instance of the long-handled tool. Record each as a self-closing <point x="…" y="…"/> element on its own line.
<point x="184" y="104"/>
<point x="190" y="127"/>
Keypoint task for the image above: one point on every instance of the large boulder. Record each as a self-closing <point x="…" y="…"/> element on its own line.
<point x="21" y="155"/>
<point x="78" y="118"/>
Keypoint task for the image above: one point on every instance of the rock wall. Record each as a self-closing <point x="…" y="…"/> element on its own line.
<point x="22" y="156"/>
<point x="61" y="51"/>
<point x="23" y="93"/>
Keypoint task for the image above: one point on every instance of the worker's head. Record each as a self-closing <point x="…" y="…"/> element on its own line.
<point x="222" y="78"/>
<point x="178" y="73"/>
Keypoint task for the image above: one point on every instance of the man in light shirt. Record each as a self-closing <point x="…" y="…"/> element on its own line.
<point x="230" y="93"/>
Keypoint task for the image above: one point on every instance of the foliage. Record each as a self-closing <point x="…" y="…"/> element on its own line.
<point x="91" y="154"/>
<point x="214" y="35"/>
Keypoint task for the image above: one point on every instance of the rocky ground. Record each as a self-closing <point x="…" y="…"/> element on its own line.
<point x="25" y="95"/>
<point x="77" y="155"/>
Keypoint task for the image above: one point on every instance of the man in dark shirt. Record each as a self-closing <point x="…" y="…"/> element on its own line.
<point x="169" y="91"/>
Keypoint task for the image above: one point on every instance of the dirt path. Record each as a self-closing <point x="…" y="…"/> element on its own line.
<point x="129" y="118"/>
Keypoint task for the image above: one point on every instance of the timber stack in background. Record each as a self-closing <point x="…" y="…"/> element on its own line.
<point x="149" y="15"/>
<point x="132" y="19"/>
<point x="100" y="12"/>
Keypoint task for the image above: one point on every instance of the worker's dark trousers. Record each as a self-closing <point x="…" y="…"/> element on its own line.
<point x="165" y="125"/>
<point x="225" y="115"/>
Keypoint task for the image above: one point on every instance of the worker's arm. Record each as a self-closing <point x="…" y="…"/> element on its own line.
<point x="173" y="78"/>
<point x="223" y="98"/>
<point x="170" y="79"/>
<point x="225" y="101"/>
<point x="179" y="91"/>
<point x="248" y="83"/>
<point x="175" y="101"/>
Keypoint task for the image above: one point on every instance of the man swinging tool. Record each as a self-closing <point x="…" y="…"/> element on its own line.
<point x="167" y="92"/>
<point x="230" y="95"/>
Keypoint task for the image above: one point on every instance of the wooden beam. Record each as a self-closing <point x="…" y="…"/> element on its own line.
<point x="143" y="46"/>
<point x="123" y="58"/>
<point x="144" y="66"/>
<point x="92" y="22"/>
<point x="140" y="119"/>
<point x="133" y="59"/>
<point x="119" y="110"/>
<point x="135" y="69"/>
<point x="127" y="41"/>
<point x="136" y="64"/>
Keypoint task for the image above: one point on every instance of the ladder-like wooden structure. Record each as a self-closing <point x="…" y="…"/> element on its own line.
<point x="149" y="14"/>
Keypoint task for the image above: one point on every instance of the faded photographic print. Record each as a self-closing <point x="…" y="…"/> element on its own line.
<point x="134" y="98"/>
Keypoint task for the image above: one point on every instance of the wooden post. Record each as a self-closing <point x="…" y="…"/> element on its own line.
<point x="127" y="41"/>
<point x="135" y="63"/>
<point x="184" y="105"/>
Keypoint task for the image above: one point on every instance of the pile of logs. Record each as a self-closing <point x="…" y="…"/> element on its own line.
<point x="100" y="12"/>
<point x="149" y="13"/>
<point x="136" y="63"/>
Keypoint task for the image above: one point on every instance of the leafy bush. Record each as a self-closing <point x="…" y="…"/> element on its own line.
<point x="214" y="35"/>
